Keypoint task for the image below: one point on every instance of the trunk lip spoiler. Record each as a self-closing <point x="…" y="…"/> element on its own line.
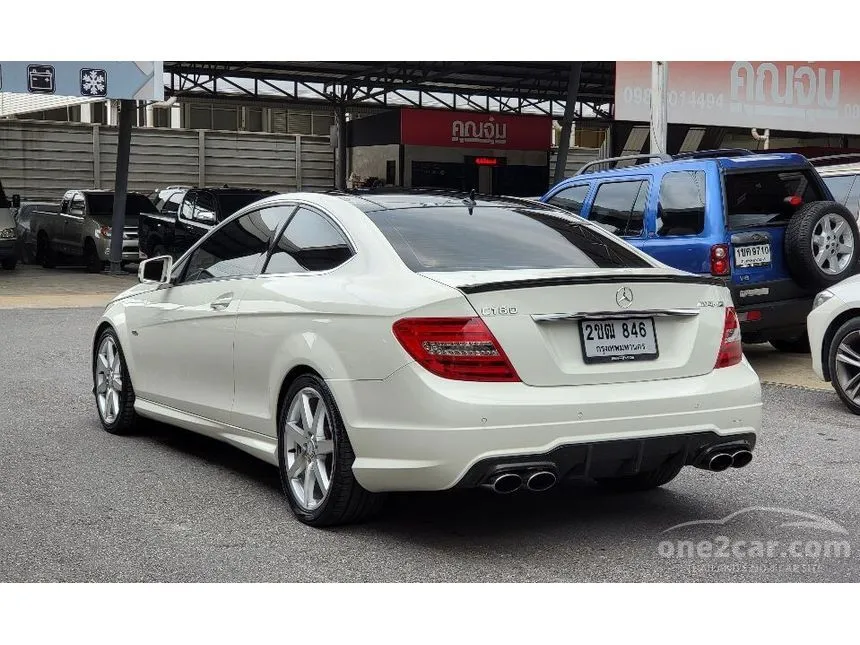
<point x="604" y="315"/>
<point x="527" y="283"/>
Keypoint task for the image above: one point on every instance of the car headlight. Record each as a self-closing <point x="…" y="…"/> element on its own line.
<point x="7" y="233"/>
<point x="821" y="298"/>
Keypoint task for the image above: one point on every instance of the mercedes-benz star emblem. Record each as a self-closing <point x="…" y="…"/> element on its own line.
<point x="624" y="297"/>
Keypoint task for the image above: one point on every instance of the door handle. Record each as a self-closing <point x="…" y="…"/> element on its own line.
<point x="222" y="302"/>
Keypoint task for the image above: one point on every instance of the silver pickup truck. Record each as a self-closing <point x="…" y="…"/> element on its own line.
<point x="81" y="230"/>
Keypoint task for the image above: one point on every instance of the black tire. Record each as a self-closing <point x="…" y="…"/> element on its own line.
<point x="798" y="345"/>
<point x="92" y="260"/>
<point x="644" y="480"/>
<point x="799" y="253"/>
<point x="45" y="254"/>
<point x="9" y="263"/>
<point x="157" y="250"/>
<point x="346" y="501"/>
<point x="847" y="328"/>
<point x="126" y="418"/>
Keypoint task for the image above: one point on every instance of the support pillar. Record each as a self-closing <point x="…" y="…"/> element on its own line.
<point x="567" y="122"/>
<point x="659" y="106"/>
<point x="123" y="152"/>
<point x="340" y="151"/>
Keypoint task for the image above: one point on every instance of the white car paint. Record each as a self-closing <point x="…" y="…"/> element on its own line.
<point x="220" y="372"/>
<point x="843" y="303"/>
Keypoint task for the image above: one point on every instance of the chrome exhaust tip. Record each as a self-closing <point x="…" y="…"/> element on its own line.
<point x="741" y="458"/>
<point x="506" y="483"/>
<point x="541" y="481"/>
<point x="720" y="462"/>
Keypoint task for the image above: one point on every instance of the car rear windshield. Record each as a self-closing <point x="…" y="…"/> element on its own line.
<point x="458" y="238"/>
<point x="232" y="202"/>
<point x="102" y="204"/>
<point x="759" y="198"/>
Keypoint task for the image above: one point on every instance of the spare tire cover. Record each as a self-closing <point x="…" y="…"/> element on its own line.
<point x="822" y="244"/>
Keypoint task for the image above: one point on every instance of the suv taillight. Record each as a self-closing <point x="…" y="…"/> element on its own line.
<point x="463" y="349"/>
<point x="731" y="350"/>
<point x="720" y="260"/>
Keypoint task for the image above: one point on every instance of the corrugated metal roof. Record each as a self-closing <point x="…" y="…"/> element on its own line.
<point x="11" y="104"/>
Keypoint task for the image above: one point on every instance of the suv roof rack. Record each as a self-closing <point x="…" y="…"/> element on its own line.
<point x="711" y="154"/>
<point x="848" y="155"/>
<point x="599" y="162"/>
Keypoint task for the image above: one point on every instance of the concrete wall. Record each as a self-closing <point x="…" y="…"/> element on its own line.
<point x="40" y="160"/>
<point x="370" y="161"/>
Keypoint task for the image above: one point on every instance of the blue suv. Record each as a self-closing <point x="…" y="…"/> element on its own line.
<point x="766" y="223"/>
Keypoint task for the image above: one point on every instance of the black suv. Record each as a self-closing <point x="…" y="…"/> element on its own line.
<point x="185" y="215"/>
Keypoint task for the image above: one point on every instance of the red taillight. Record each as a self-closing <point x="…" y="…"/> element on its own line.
<point x="720" y="259"/>
<point x="457" y="348"/>
<point x="731" y="350"/>
<point x="794" y="200"/>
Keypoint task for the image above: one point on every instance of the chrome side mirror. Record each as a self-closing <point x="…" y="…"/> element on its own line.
<point x="205" y="217"/>
<point x="156" y="270"/>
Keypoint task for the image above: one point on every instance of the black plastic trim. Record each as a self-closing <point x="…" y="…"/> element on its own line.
<point x="614" y="458"/>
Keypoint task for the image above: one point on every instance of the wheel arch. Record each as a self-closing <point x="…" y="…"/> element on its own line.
<point x="287" y="381"/>
<point x="834" y="325"/>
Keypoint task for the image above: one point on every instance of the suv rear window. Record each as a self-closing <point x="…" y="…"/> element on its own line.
<point x="458" y="238"/>
<point x="758" y="198"/>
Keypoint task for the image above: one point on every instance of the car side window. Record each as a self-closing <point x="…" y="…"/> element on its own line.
<point x="681" y="210"/>
<point x="619" y="207"/>
<point x="571" y="199"/>
<point x="205" y="209"/>
<point x="840" y="186"/>
<point x="238" y="248"/>
<point x="187" y="208"/>
<point x="311" y="242"/>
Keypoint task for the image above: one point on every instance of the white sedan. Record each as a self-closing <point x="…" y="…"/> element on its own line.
<point x="833" y="326"/>
<point x="423" y="341"/>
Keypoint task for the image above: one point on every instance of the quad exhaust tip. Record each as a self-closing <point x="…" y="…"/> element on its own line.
<point x="541" y="481"/>
<point x="719" y="462"/>
<point x="507" y="483"/>
<point x="741" y="458"/>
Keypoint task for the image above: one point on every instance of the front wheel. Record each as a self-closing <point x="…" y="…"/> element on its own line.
<point x="844" y="361"/>
<point x="315" y="458"/>
<point x="112" y="385"/>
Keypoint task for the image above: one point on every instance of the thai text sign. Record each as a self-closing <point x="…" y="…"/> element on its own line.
<point x="800" y="96"/>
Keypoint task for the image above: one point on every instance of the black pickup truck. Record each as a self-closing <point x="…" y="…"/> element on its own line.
<point x="186" y="215"/>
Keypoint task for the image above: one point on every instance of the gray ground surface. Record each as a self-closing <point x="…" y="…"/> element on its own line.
<point x="77" y="504"/>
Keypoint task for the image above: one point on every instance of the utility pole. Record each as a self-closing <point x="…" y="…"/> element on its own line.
<point x="567" y="122"/>
<point x="123" y="151"/>
<point x="659" y="106"/>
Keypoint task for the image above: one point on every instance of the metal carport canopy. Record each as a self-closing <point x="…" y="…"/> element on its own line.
<point x="572" y="90"/>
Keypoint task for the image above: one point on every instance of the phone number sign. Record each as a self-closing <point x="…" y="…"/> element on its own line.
<point x="799" y="96"/>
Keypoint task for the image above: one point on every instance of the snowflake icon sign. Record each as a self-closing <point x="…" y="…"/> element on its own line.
<point x="93" y="82"/>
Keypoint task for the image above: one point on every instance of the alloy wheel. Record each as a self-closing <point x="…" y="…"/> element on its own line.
<point x="832" y="244"/>
<point x="308" y="448"/>
<point x="108" y="380"/>
<point x="848" y="365"/>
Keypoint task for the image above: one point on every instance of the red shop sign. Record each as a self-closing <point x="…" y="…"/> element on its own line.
<point x="475" y="130"/>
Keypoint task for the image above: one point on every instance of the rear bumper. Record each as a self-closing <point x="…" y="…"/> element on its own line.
<point x="416" y="431"/>
<point x="779" y="319"/>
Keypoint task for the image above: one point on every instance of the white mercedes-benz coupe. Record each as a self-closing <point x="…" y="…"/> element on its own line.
<point x="411" y="341"/>
<point x="833" y="326"/>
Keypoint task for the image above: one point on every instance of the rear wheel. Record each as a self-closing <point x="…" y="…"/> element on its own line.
<point x="315" y="458"/>
<point x="796" y="345"/>
<point x="643" y="481"/>
<point x="844" y="362"/>
<point x="9" y="263"/>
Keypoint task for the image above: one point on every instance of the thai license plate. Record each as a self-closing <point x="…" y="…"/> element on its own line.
<point x="622" y="339"/>
<point x="753" y="255"/>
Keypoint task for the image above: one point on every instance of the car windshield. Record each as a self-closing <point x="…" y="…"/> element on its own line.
<point x="759" y="198"/>
<point x="101" y="204"/>
<point x="459" y="238"/>
<point x="232" y="202"/>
